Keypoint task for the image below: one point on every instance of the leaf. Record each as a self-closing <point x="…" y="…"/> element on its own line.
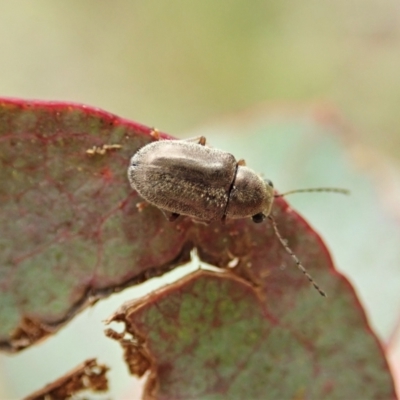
<point x="70" y="231"/>
<point x="80" y="237"/>
<point x="213" y="336"/>
<point x="311" y="341"/>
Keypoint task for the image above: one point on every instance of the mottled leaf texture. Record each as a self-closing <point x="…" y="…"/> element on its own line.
<point x="88" y="376"/>
<point x="215" y="336"/>
<point x="72" y="231"/>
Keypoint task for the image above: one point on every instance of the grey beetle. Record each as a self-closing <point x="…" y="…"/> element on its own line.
<point x="186" y="177"/>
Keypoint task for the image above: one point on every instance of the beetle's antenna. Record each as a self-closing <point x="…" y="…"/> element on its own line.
<point x="322" y="189"/>
<point x="297" y="261"/>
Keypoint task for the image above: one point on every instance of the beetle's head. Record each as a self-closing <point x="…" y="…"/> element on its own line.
<point x="267" y="203"/>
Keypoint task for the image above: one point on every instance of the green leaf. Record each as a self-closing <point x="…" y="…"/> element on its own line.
<point x="70" y="229"/>
<point x="214" y="336"/>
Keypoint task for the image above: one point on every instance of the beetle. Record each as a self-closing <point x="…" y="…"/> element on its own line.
<point x="186" y="177"/>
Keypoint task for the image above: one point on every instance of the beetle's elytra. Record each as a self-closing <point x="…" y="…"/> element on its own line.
<point x="185" y="177"/>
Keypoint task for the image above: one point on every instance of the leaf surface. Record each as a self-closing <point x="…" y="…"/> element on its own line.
<point x="213" y="336"/>
<point x="312" y="146"/>
<point x="71" y="233"/>
<point x="70" y="230"/>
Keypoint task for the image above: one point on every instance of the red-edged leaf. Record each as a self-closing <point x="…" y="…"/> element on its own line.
<point x="70" y="231"/>
<point x="213" y="336"/>
<point x="312" y="146"/>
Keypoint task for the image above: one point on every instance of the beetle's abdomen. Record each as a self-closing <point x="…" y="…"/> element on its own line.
<point x="184" y="178"/>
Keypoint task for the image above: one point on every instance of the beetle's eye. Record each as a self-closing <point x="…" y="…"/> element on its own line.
<point x="268" y="182"/>
<point x="258" y="218"/>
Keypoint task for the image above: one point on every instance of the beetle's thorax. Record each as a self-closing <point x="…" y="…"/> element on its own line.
<point x="250" y="195"/>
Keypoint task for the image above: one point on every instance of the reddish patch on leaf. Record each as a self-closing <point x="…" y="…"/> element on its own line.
<point x="107" y="174"/>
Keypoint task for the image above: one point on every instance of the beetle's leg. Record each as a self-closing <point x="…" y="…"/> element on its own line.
<point x="241" y="162"/>
<point x="171" y="216"/>
<point x="155" y="133"/>
<point x="201" y="221"/>
<point x="141" y="205"/>
<point x="202" y="140"/>
<point x="199" y="139"/>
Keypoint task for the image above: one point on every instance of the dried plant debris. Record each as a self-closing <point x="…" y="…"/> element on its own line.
<point x="29" y="331"/>
<point x="87" y="376"/>
<point x="102" y="150"/>
<point x="136" y="355"/>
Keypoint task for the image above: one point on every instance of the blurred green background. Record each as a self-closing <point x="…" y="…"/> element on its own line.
<point x="177" y="65"/>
